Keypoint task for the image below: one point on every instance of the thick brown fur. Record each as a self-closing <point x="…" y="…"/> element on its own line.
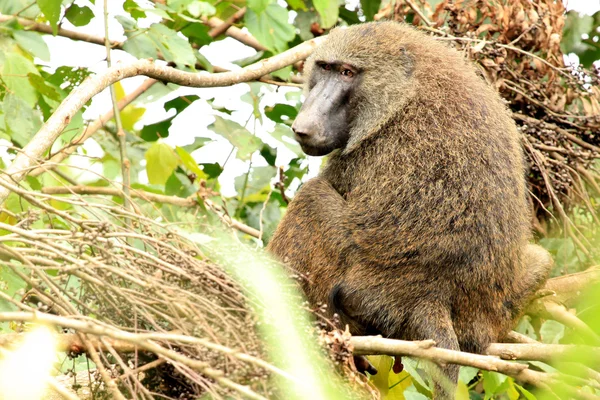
<point x="419" y="227"/>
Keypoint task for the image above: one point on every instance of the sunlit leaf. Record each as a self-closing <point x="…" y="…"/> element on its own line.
<point x="328" y="10"/>
<point x="32" y="43"/>
<point x="51" y="10"/>
<point x="271" y="27"/>
<point x="370" y="8"/>
<point x="79" y="16"/>
<point x="22" y="121"/>
<point x="171" y="46"/>
<point x="258" y="6"/>
<point x="245" y="142"/>
<point x="161" y="161"/>
<point x="14" y="75"/>
<point x="189" y="163"/>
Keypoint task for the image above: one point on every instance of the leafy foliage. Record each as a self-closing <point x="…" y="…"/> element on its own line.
<point x="265" y="165"/>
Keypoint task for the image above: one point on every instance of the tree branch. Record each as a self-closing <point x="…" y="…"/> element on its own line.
<point x="372" y="345"/>
<point x="53" y="127"/>
<point x="44" y="28"/>
<point x="157" y="198"/>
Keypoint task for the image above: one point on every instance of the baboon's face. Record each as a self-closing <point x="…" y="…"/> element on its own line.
<point x="323" y="123"/>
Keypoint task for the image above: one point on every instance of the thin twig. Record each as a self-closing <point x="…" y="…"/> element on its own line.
<point x="125" y="165"/>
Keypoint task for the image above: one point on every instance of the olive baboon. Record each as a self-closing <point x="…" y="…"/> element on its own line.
<point x="418" y="225"/>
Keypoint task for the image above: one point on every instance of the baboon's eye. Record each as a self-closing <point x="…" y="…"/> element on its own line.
<point x="348" y="73"/>
<point x="325" y="66"/>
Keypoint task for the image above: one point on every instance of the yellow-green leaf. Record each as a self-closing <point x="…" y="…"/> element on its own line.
<point x="161" y="161"/>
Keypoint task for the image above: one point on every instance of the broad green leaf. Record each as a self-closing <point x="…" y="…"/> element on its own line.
<point x="269" y="154"/>
<point x="189" y="163"/>
<point x="138" y="43"/>
<point x="271" y="27"/>
<point x="526" y="394"/>
<point x="130" y="114"/>
<point x="68" y="78"/>
<point x="284" y="134"/>
<point x="328" y="10"/>
<point x="492" y="382"/>
<point x="133" y="9"/>
<point x="180" y="103"/>
<point x="245" y="142"/>
<point x="153" y="132"/>
<point x="551" y="332"/>
<point x="32" y="43"/>
<point x="199" y="9"/>
<point x="23" y="7"/>
<point x="212" y="170"/>
<point x="14" y="75"/>
<point x="161" y="161"/>
<point x="258" y="6"/>
<point x="257" y="184"/>
<point x="79" y="16"/>
<point x="179" y="185"/>
<point x="172" y="46"/>
<point x="51" y="10"/>
<point x="22" y="121"/>
<point x="297" y="4"/>
<point x="197" y="34"/>
<point x="370" y="8"/>
<point x="575" y="25"/>
<point x="281" y="113"/>
<point x="467" y="374"/>
<point x="43" y="87"/>
<point x="462" y="391"/>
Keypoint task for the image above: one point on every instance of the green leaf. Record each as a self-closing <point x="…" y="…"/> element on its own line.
<point x="179" y="185"/>
<point x="281" y="113"/>
<point x="271" y="27"/>
<point x="328" y="10"/>
<point x="575" y="26"/>
<point x="51" y="10"/>
<point x="133" y="9"/>
<point x="258" y="184"/>
<point x="492" y="382"/>
<point x="269" y="154"/>
<point x="32" y="43"/>
<point x="467" y="374"/>
<point x="297" y="4"/>
<point x="370" y="8"/>
<point x="240" y="137"/>
<point x="284" y="134"/>
<point x="258" y="6"/>
<point x="79" y="16"/>
<point x="199" y="9"/>
<point x="180" y="103"/>
<point x="68" y="78"/>
<point x="551" y="332"/>
<point x="527" y="394"/>
<point x="161" y="161"/>
<point x="22" y="121"/>
<point x="212" y="170"/>
<point x="14" y="75"/>
<point x="189" y="163"/>
<point x="153" y="132"/>
<point x="172" y="47"/>
<point x="43" y="87"/>
<point x="197" y="34"/>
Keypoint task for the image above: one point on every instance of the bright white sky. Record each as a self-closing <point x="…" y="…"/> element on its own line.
<point x="195" y="119"/>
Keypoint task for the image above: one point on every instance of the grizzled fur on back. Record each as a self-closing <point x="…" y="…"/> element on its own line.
<point x="419" y="227"/>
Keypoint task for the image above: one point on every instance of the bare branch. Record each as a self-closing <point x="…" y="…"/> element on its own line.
<point x="158" y="198"/>
<point x="53" y="127"/>
<point x="44" y="28"/>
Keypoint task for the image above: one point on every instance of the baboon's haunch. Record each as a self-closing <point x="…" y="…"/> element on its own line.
<point x="418" y="225"/>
